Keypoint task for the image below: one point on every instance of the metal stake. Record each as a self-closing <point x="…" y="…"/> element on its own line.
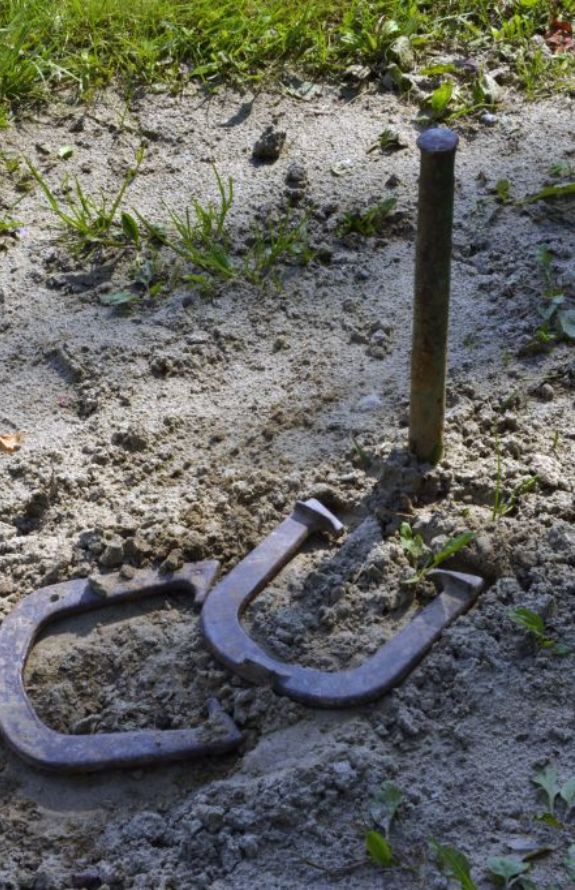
<point x="431" y="306"/>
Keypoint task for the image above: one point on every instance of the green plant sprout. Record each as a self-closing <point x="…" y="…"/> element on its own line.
<point x="502" y="505"/>
<point x="534" y="623"/>
<point x="201" y="238"/>
<point x="561" y="170"/>
<point x="503" y="190"/>
<point x="569" y="862"/>
<point x="387" y="141"/>
<point x="8" y="229"/>
<point x="510" y="871"/>
<point x="269" y="246"/>
<point x="363" y="458"/>
<point x="551" y="191"/>
<point x="440" y="100"/>
<point x="90" y="223"/>
<point x="548" y="781"/>
<point x="383" y="811"/>
<point x="455" y="864"/>
<point x="369" y="223"/>
<point x="415" y="547"/>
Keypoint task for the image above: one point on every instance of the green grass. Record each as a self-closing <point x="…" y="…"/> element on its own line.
<point x="86" y="44"/>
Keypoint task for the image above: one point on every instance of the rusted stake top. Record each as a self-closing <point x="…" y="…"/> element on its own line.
<point x="438" y="140"/>
<point x="432" y="286"/>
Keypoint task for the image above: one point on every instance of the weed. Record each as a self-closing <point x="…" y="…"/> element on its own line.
<point x="370" y="222"/>
<point x="558" y="311"/>
<point x="412" y="544"/>
<point x="551" y="191"/>
<point x="201" y="237"/>
<point x="504" y="505"/>
<point x="534" y="623"/>
<point x="88" y="223"/>
<point x="503" y="190"/>
<point x="561" y="170"/>
<point x="211" y="258"/>
<point x="455" y="864"/>
<point x="415" y="547"/>
<point x="122" y="299"/>
<point x="363" y="458"/>
<point x="440" y="100"/>
<point x="548" y="781"/>
<point x="383" y="811"/>
<point x="387" y="141"/>
<point x="509" y="871"/>
<point x="379" y="848"/>
<point x="569" y="862"/>
<point x="271" y="245"/>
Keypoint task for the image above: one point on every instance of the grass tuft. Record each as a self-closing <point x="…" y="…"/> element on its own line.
<point x="86" y="44"/>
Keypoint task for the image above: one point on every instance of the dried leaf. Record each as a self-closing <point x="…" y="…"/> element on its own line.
<point x="559" y="37"/>
<point x="11" y="442"/>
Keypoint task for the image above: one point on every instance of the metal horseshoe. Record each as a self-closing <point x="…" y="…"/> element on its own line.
<point x="231" y="644"/>
<point x="43" y="747"/>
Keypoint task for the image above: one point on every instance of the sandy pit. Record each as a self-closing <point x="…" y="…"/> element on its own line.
<point x="187" y="428"/>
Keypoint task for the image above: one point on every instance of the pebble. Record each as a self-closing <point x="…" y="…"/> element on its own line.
<point x="173" y="561"/>
<point x="489" y="119"/>
<point x="269" y="146"/>
<point x="547" y="392"/>
<point x="296" y="175"/>
<point x="113" y="554"/>
<point x="370" y="402"/>
<point x="87" y="880"/>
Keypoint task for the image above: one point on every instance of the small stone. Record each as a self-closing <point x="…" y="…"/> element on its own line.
<point x="173" y="561"/>
<point x="137" y="547"/>
<point x="269" y="146"/>
<point x="134" y="438"/>
<point x="127" y="572"/>
<point x="113" y="554"/>
<point x="488" y="118"/>
<point x="77" y="124"/>
<point x="401" y="52"/>
<point x="103" y="585"/>
<point x="6" y="587"/>
<point x="280" y="343"/>
<point x="547" y="392"/>
<point x="296" y="176"/>
<point x="249" y="845"/>
<point x="211" y="817"/>
<point x="370" y="402"/>
<point x="86" y="880"/>
<point x="492" y="92"/>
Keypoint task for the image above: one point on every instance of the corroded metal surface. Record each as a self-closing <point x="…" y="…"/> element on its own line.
<point x="432" y="285"/>
<point x="231" y="644"/>
<point x="44" y="747"/>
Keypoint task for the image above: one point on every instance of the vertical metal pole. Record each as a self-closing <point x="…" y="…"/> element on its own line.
<point x="432" y="281"/>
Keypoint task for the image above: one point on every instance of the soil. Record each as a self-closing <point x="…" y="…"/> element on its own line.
<point x="187" y="428"/>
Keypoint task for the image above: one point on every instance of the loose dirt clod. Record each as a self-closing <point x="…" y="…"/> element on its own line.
<point x="269" y="146"/>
